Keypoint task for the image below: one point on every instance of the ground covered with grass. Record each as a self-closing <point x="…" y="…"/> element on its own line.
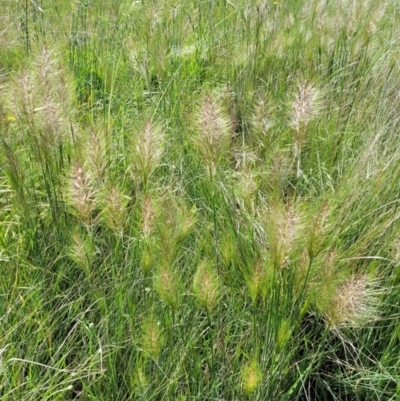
<point x="199" y="200"/>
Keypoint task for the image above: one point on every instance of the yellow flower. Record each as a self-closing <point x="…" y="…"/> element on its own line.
<point x="10" y="119"/>
<point x="275" y="3"/>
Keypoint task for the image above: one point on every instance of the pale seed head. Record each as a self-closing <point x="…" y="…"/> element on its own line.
<point x="96" y="153"/>
<point x="214" y="131"/>
<point x="284" y="226"/>
<point x="305" y="107"/>
<point x="147" y="149"/>
<point x="354" y="302"/>
<point x="148" y="216"/>
<point x="81" y="193"/>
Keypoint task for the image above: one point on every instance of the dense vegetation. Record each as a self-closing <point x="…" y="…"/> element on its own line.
<point x="199" y="200"/>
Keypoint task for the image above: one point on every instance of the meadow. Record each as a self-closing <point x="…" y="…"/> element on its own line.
<point x="199" y="200"/>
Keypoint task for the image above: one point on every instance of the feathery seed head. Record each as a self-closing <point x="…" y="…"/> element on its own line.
<point x="305" y="106"/>
<point x="251" y="377"/>
<point x="96" y="153"/>
<point x="81" y="193"/>
<point x="256" y="280"/>
<point x="247" y="190"/>
<point x="140" y="381"/>
<point x="317" y="230"/>
<point x="278" y="173"/>
<point x="168" y="287"/>
<point x="284" y="226"/>
<point x="42" y="97"/>
<point x="114" y="210"/>
<point x="284" y="333"/>
<point x="148" y="216"/>
<point x="228" y="248"/>
<point x="323" y="280"/>
<point x="262" y="120"/>
<point x="206" y="286"/>
<point x="147" y="149"/>
<point x="214" y="130"/>
<point x="354" y="302"/>
<point x="152" y="339"/>
<point x="81" y="251"/>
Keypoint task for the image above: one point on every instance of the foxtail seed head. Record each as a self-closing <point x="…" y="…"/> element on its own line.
<point x="206" y="286"/>
<point x="251" y="377"/>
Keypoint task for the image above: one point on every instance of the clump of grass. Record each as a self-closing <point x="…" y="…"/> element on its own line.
<point x="161" y="237"/>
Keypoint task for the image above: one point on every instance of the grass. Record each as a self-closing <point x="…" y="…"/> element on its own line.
<point x="199" y="200"/>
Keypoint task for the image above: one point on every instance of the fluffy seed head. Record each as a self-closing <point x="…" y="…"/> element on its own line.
<point x="206" y="286"/>
<point x="255" y="280"/>
<point x="152" y="339"/>
<point x="167" y="285"/>
<point x="114" y="210"/>
<point x="42" y="98"/>
<point x="284" y="226"/>
<point x="262" y="121"/>
<point x="96" y="154"/>
<point x="304" y="109"/>
<point x="354" y="302"/>
<point x="284" y="333"/>
<point x="247" y="190"/>
<point x="214" y="126"/>
<point x="251" y="377"/>
<point x="81" y="193"/>
<point x="81" y="252"/>
<point x="148" y="216"/>
<point x="147" y="149"/>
